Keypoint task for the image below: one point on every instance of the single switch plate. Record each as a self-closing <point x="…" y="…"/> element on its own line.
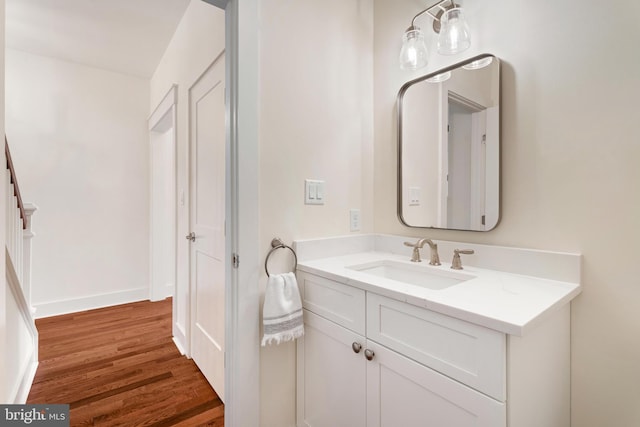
<point x="313" y="192"/>
<point x="354" y="219"/>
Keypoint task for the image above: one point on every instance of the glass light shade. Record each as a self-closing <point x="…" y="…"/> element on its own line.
<point x="454" y="32"/>
<point x="413" y="54"/>
<point x="480" y="63"/>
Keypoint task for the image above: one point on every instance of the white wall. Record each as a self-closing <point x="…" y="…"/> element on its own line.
<point x="315" y="122"/>
<point x="570" y="157"/>
<point x="79" y="140"/>
<point x="422" y="164"/>
<point x="197" y="42"/>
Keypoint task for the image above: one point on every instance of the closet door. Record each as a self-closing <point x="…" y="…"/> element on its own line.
<point x="331" y="375"/>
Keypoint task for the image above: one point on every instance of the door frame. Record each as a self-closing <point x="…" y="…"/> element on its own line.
<point x="448" y="98"/>
<point x="242" y="364"/>
<point x="168" y="105"/>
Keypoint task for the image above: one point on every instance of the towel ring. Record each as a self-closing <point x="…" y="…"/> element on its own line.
<point x="276" y="244"/>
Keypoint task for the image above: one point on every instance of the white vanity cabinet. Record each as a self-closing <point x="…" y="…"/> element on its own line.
<point x="369" y="360"/>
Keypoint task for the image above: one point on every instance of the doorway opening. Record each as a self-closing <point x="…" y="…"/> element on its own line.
<point x="162" y="149"/>
<point x="466" y="146"/>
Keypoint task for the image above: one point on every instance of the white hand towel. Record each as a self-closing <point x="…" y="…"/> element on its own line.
<point x="282" y="311"/>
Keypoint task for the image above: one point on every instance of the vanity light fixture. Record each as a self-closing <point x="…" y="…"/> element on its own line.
<point x="448" y="22"/>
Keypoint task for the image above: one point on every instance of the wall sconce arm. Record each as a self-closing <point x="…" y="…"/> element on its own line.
<point x="435" y="16"/>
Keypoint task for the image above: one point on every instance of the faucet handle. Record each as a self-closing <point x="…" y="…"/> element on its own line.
<point x="415" y="255"/>
<point x="464" y="251"/>
<point x="456" y="263"/>
<point x="435" y="258"/>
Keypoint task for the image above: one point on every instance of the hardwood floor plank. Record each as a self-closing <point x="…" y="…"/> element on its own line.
<point x="118" y="366"/>
<point x="211" y="417"/>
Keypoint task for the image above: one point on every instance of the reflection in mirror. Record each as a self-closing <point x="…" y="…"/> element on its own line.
<point x="448" y="147"/>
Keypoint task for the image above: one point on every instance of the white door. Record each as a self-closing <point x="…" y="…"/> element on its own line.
<point x="207" y="219"/>
<point x="331" y="375"/>
<point x="402" y="392"/>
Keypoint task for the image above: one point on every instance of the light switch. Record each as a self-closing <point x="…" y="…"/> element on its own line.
<point x="320" y="191"/>
<point x="313" y="192"/>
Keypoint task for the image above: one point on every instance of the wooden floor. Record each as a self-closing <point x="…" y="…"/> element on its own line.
<point x="119" y="366"/>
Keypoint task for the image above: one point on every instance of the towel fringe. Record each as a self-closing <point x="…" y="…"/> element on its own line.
<point x="283" y="337"/>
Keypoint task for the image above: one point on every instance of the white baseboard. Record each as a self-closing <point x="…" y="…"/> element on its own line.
<point x="23" y="328"/>
<point x="179" y="346"/>
<point x="162" y="293"/>
<point x="55" y="308"/>
<point x="180" y="339"/>
<point x="25" y="384"/>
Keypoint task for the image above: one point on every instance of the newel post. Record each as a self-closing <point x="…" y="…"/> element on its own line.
<point x="27" y="235"/>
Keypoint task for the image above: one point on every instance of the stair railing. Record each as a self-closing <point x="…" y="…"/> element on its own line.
<point x="18" y="227"/>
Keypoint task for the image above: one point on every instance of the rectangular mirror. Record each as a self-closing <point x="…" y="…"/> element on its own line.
<point x="449" y="147"/>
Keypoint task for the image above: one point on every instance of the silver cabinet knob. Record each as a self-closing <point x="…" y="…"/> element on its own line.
<point x="191" y="236"/>
<point x="369" y="354"/>
<point x="356" y="346"/>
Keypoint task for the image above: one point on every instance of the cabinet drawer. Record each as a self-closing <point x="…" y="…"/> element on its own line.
<point x="342" y="304"/>
<point x="471" y="354"/>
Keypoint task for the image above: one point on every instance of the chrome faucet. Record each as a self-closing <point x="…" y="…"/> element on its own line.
<point x="415" y="256"/>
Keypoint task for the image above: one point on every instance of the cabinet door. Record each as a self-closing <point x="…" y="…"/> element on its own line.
<point x="401" y="392"/>
<point x="331" y="376"/>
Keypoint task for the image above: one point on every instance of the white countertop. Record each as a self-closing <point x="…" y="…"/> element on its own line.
<point x="506" y="302"/>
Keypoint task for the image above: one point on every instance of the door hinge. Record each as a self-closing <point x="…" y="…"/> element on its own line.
<point x="235" y="260"/>
<point x="484" y="138"/>
<point x="482" y="219"/>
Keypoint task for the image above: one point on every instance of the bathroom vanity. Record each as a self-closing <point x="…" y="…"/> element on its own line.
<point x="390" y="342"/>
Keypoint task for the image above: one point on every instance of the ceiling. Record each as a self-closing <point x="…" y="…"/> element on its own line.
<point x="126" y="36"/>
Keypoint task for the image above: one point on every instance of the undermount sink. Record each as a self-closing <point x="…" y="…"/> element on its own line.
<point x="419" y="275"/>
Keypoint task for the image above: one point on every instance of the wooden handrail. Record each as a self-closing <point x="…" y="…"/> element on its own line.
<point x="14" y="181"/>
